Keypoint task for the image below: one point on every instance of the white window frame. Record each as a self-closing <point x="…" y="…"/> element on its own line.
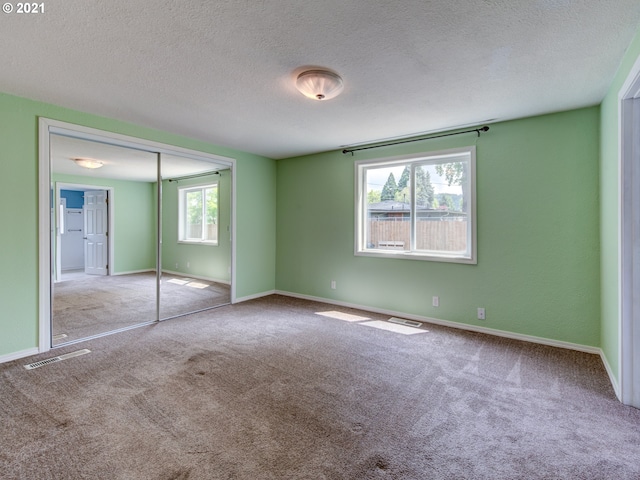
<point x="361" y="216"/>
<point x="182" y="213"/>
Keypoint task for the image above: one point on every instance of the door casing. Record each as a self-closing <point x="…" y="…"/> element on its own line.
<point x="629" y="239"/>
<point x="59" y="186"/>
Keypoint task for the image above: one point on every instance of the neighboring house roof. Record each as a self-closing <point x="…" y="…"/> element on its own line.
<point x="388" y="206"/>
<point x="391" y="206"/>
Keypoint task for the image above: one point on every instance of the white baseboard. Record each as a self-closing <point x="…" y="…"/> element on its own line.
<point x="612" y="377"/>
<point x="132" y="272"/>
<point x="199" y="277"/>
<point x="17" y="355"/>
<point x="255" y="295"/>
<point x="183" y="274"/>
<point x="448" y="323"/>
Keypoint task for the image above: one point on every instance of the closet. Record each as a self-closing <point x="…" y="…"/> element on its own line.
<point x="137" y="235"/>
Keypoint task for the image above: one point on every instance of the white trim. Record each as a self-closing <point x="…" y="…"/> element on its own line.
<point x="111" y="208"/>
<point x="47" y="126"/>
<point x="626" y="91"/>
<point x="612" y="377"/>
<point x="629" y="238"/>
<point x="255" y="295"/>
<point x="44" y="239"/>
<point x="105" y="334"/>
<point x="198" y="277"/>
<point x="435" y="157"/>
<point x="233" y="233"/>
<point x="18" y="355"/>
<point x="182" y="213"/>
<point x="133" y="272"/>
<point x="447" y="323"/>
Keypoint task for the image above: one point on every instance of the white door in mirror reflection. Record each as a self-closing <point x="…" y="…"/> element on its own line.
<point x="95" y="227"/>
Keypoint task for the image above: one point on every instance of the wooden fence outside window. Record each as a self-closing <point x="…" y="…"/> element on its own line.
<point x="438" y="235"/>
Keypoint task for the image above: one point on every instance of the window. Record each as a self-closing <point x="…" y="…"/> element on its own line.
<point x="198" y="214"/>
<point x="419" y="206"/>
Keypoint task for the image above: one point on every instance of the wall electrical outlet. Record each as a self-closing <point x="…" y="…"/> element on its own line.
<point x="333" y="284"/>
<point x="435" y="301"/>
<point x="481" y="314"/>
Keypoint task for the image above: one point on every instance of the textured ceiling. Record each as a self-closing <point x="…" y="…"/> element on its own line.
<point x="222" y="71"/>
<point x="121" y="163"/>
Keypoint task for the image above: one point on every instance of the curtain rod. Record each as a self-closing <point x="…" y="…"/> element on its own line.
<point x="356" y="149"/>
<point x="196" y="175"/>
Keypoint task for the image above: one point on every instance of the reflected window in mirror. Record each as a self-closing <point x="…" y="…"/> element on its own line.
<point x="198" y="214"/>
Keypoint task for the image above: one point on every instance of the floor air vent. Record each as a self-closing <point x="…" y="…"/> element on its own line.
<point x="59" y="358"/>
<point x="408" y="323"/>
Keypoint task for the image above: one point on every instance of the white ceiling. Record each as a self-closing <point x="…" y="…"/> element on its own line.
<point x="121" y="163"/>
<point x="222" y="71"/>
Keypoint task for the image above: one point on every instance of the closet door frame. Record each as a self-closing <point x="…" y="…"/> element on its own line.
<point x="45" y="260"/>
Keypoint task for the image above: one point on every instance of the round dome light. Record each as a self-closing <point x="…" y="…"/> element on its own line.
<point x="319" y="84"/>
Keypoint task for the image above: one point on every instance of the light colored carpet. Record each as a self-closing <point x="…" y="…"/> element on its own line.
<point x="90" y="305"/>
<point x="269" y="389"/>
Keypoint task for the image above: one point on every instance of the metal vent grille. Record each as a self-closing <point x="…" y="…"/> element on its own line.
<point x="408" y="323"/>
<point x="59" y="358"/>
<point x="42" y="363"/>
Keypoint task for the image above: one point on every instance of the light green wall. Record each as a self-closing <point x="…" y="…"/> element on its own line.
<point x="538" y="241"/>
<point x="134" y="225"/>
<point x="256" y="233"/>
<point x="255" y="214"/>
<point x="609" y="196"/>
<point x="210" y="261"/>
<point x="542" y="251"/>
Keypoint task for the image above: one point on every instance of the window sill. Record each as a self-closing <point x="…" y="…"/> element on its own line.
<point x="404" y="255"/>
<point x="198" y="242"/>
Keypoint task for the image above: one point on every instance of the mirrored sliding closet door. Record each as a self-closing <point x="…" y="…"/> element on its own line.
<point x="136" y="237"/>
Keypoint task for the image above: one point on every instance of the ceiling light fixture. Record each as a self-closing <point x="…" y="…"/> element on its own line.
<point x="319" y="84"/>
<point x="87" y="162"/>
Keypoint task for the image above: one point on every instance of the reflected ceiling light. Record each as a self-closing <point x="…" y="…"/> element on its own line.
<point x="87" y="162"/>
<point x="319" y="84"/>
